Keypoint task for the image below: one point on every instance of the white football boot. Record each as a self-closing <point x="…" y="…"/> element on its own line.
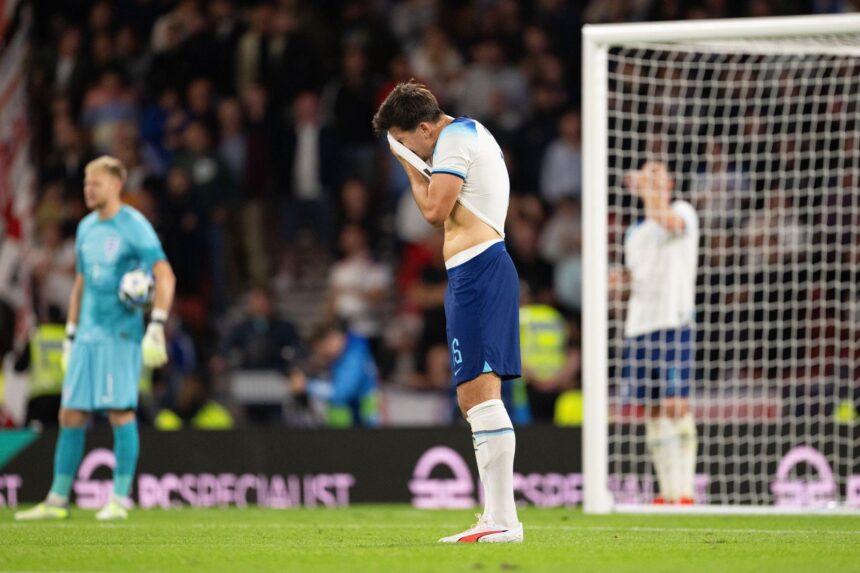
<point x="112" y="511"/>
<point x="42" y="512"/>
<point x="486" y="532"/>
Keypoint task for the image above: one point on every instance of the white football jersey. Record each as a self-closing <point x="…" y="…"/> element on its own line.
<point x="466" y="149"/>
<point x="662" y="269"/>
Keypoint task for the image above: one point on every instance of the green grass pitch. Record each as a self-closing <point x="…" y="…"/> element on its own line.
<point x="402" y="539"/>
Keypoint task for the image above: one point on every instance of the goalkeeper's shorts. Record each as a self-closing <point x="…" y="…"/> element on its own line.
<point x="658" y="365"/>
<point x="102" y="376"/>
<point x="483" y="318"/>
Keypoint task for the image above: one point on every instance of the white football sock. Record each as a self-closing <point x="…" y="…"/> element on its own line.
<point x="685" y="428"/>
<point x="494" y="441"/>
<point x="662" y="443"/>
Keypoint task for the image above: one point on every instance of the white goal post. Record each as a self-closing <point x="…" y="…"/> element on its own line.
<point x="758" y="122"/>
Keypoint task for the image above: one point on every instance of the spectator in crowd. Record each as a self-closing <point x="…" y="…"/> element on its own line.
<point x="53" y="268"/>
<point x="720" y="189"/>
<point x="359" y="287"/>
<point x="438" y="64"/>
<point x="311" y="175"/>
<point x="260" y="341"/>
<point x="126" y="150"/>
<point x="183" y="230"/>
<point x="247" y="154"/>
<point x="343" y="378"/>
<point x="217" y="192"/>
<point x="561" y="245"/>
<point x="161" y="125"/>
<point x="252" y="55"/>
<point x="200" y="103"/>
<point x="536" y="134"/>
<point x="169" y="68"/>
<point x="561" y="173"/>
<point x="130" y="56"/>
<point x="69" y="68"/>
<point x="109" y="107"/>
<point x="776" y="234"/>
<point x="293" y="62"/>
<point x="69" y="156"/>
<point x="536" y="274"/>
<point x="356" y="208"/>
<point x="493" y="88"/>
<point x="550" y="365"/>
<point x="225" y="31"/>
<point x="349" y="106"/>
<point x="427" y="294"/>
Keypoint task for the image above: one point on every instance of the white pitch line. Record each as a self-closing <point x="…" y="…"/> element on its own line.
<point x="622" y="529"/>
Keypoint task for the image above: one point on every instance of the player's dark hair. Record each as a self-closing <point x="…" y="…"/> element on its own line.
<point x="408" y="104"/>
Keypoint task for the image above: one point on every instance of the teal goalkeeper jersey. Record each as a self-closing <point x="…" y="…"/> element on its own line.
<point x="106" y="250"/>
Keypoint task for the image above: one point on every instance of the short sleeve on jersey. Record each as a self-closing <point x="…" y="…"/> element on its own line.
<point x="688" y="214"/>
<point x="143" y="240"/>
<point x="453" y="152"/>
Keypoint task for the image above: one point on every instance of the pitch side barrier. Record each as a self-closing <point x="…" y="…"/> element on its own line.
<point x="428" y="468"/>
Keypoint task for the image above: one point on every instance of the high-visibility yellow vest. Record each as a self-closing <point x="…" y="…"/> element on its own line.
<point x="212" y="416"/>
<point x="543" y="340"/>
<point x="568" y="409"/>
<point x="46" y="354"/>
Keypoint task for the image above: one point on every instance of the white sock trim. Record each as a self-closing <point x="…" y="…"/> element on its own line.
<point x="483" y="406"/>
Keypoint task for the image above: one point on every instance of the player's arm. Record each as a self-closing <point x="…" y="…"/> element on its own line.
<point x="148" y="249"/>
<point x="154" y="345"/>
<point x="436" y="197"/>
<point x="75" y="300"/>
<point x="72" y="318"/>
<point x="653" y="185"/>
<point x="666" y="218"/>
<point x="165" y="287"/>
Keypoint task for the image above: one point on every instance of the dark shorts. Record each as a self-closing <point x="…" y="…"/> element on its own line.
<point x="482" y="311"/>
<point x="657" y="365"/>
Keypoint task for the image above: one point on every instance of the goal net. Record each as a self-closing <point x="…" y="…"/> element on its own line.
<point x="758" y="123"/>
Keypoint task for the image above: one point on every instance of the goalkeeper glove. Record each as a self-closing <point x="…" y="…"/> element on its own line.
<point x="67" y="345"/>
<point x="154" y="346"/>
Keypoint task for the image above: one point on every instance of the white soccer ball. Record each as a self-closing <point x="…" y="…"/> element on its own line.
<point x="136" y="289"/>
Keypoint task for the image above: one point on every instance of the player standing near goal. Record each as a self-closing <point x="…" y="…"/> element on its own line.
<point x="660" y="254"/>
<point x="467" y="194"/>
<point x="103" y="353"/>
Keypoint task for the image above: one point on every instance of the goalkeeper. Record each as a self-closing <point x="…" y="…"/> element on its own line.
<point x="103" y="353"/>
<point x="660" y="256"/>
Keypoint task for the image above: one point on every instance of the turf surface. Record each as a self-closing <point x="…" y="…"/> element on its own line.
<point x="401" y="539"/>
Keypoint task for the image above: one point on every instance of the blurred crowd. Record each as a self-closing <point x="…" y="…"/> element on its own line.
<point x="300" y="259"/>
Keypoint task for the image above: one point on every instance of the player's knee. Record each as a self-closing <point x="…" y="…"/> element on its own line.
<point x="72" y="418"/>
<point x="120" y="417"/>
<point x="676" y="407"/>
<point x="484" y="387"/>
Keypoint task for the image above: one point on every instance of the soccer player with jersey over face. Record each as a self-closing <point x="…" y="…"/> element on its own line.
<point x="660" y="258"/>
<point x="105" y="341"/>
<point x="467" y="193"/>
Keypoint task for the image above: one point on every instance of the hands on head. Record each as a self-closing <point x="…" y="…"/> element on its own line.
<point x="652" y="183"/>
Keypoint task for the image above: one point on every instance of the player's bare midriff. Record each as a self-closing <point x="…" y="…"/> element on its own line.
<point x="464" y="230"/>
